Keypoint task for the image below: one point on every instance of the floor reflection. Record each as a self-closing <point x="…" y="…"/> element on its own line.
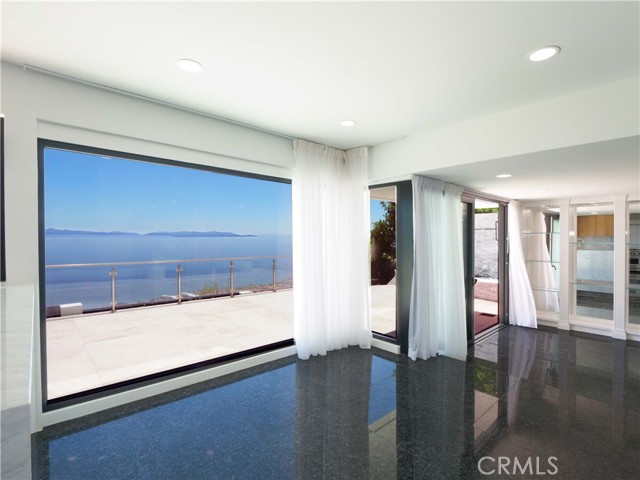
<point x="523" y="394"/>
<point x="331" y="435"/>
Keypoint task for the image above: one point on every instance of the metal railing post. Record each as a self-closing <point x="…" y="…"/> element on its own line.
<point x="179" y="283"/>
<point x="273" y="269"/>
<point x="113" y="274"/>
<point x="231" y="268"/>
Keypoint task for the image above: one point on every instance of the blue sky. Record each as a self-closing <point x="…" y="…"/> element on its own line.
<point x="92" y="192"/>
<point x="377" y="212"/>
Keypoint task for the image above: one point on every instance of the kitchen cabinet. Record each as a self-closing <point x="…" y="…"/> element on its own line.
<point x="595" y="226"/>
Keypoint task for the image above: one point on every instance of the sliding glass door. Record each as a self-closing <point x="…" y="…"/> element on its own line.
<point x="383" y="260"/>
<point x="484" y="243"/>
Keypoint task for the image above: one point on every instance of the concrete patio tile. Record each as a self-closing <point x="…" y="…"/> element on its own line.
<point x="93" y="350"/>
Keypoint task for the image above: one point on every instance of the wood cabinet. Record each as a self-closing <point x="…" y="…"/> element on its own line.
<point x="595" y="226"/>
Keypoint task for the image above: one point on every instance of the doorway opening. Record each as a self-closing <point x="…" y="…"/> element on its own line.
<point x="383" y="243"/>
<point x="484" y="260"/>
<point x="486" y="266"/>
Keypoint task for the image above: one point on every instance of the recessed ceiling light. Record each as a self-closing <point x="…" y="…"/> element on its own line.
<point x="348" y="123"/>
<point x="542" y="190"/>
<point x="189" y="66"/>
<point x="544" y="53"/>
<point x="504" y="175"/>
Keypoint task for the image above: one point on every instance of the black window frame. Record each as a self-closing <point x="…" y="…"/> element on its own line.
<point x="127" y="385"/>
<point x="404" y="262"/>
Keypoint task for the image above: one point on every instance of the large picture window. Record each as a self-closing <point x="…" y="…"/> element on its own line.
<point x="150" y="266"/>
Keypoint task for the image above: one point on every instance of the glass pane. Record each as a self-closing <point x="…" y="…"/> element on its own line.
<point x="383" y="260"/>
<point x="486" y="265"/>
<point x="555" y="244"/>
<point x="633" y="256"/>
<point x="88" y="288"/>
<point x="634" y="224"/>
<point x="540" y="237"/>
<point x="594" y="301"/>
<point x="593" y="250"/>
<point x="148" y="241"/>
<point x="634" y="305"/>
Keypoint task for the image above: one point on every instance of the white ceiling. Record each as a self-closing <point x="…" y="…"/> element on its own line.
<point x="591" y="170"/>
<point x="299" y="68"/>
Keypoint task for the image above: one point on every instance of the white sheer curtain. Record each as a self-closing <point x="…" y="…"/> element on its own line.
<point x="522" y="307"/>
<point x="540" y="271"/>
<point x="331" y="303"/>
<point x="437" y="319"/>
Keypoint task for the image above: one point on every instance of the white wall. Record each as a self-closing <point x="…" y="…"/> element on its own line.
<point x="594" y="115"/>
<point x="36" y="105"/>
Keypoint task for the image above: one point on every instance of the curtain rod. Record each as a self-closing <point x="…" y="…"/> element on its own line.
<point x="469" y="191"/>
<point x="485" y="196"/>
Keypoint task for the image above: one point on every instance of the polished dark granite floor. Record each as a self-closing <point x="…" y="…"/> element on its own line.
<point x="562" y="405"/>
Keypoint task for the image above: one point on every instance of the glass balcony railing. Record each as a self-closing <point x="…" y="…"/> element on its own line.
<point x="96" y="287"/>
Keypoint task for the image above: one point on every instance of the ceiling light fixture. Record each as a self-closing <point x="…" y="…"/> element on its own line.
<point x="544" y="53"/>
<point x="504" y="175"/>
<point x="189" y="66"/>
<point x="347" y="123"/>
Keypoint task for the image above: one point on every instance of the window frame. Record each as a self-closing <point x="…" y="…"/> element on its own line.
<point x="126" y="385"/>
<point x="404" y="262"/>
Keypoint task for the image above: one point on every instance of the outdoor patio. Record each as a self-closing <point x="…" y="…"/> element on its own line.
<point x="90" y="351"/>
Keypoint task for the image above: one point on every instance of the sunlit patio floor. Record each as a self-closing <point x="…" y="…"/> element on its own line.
<point x="90" y="351"/>
<point x="485" y="306"/>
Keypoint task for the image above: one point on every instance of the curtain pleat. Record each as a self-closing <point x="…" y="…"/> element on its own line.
<point x="437" y="319"/>
<point x="522" y="307"/>
<point x="330" y="249"/>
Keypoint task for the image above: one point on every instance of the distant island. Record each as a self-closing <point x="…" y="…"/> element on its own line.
<point x="213" y="233"/>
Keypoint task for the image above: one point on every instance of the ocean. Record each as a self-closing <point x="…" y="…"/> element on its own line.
<point x="91" y="286"/>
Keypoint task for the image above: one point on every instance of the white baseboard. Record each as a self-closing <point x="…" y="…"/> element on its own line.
<point x="386" y="346"/>
<point x="596" y="327"/>
<point x="633" y="332"/>
<point x="619" y="334"/>
<point x="633" y="336"/>
<point x="547" y="323"/>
